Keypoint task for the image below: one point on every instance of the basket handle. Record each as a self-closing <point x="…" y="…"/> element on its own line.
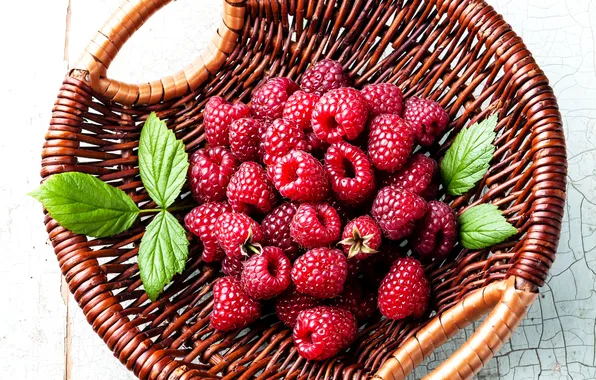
<point x="127" y="19"/>
<point x="509" y="306"/>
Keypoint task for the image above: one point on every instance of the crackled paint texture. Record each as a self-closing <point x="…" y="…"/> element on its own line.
<point x="44" y="335"/>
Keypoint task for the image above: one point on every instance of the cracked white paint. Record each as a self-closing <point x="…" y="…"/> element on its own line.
<point x="557" y="339"/>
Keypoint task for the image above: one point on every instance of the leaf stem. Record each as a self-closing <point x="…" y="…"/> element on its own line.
<point x="171" y="209"/>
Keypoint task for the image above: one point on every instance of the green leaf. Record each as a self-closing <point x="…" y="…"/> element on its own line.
<point x="163" y="253"/>
<point x="86" y="205"/>
<point x="163" y="162"/>
<point x="483" y="226"/>
<point x="466" y="160"/>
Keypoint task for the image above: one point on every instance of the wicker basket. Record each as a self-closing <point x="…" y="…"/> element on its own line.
<point x="458" y="52"/>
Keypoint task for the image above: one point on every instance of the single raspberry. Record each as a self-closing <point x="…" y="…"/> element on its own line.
<point x="323" y="76"/>
<point x="397" y="210"/>
<point x="323" y="332"/>
<point x="250" y="190"/>
<point x="245" y="137"/>
<point x="315" y="225"/>
<point x="268" y="101"/>
<point x="383" y="98"/>
<point x="418" y="175"/>
<point x="405" y="291"/>
<point x="281" y="137"/>
<point x="276" y="229"/>
<point x="427" y="117"/>
<point x="291" y="303"/>
<point x="360" y="302"/>
<point x="390" y="142"/>
<point x="350" y="172"/>
<point x="266" y="274"/>
<point x="301" y="177"/>
<point x="339" y="113"/>
<point x="361" y="237"/>
<point x="374" y="268"/>
<point x="232" y="266"/>
<point x="320" y="272"/>
<point x="201" y="222"/>
<point x="232" y="308"/>
<point x="299" y="108"/>
<point x="210" y="172"/>
<point x="218" y="116"/>
<point x="237" y="234"/>
<point x="436" y="234"/>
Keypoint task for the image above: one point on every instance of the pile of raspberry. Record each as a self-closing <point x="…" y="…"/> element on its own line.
<point x="306" y="196"/>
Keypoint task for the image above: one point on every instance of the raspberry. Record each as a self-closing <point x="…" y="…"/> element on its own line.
<point x="276" y="229"/>
<point x="418" y="175"/>
<point x="315" y="225"/>
<point x="323" y="332"/>
<point x="390" y="142"/>
<point x="427" y="117"/>
<point x="267" y="102"/>
<point x="210" y="172"/>
<point x="372" y="269"/>
<point x="339" y="113"/>
<point x="245" y="138"/>
<point x="237" y="234"/>
<point x="218" y="116"/>
<point x="299" y="108"/>
<point x="350" y="173"/>
<point x="320" y="272"/>
<point x="250" y="190"/>
<point x="361" y="237"/>
<point x="405" y="291"/>
<point x="232" y="266"/>
<point x="317" y="145"/>
<point x="397" y="210"/>
<point x="301" y="177"/>
<point x="281" y="137"/>
<point x="232" y="308"/>
<point x="361" y="303"/>
<point x="323" y="76"/>
<point x="291" y="303"/>
<point x="266" y="274"/>
<point x="201" y="222"/>
<point x="437" y="232"/>
<point x="383" y="98"/>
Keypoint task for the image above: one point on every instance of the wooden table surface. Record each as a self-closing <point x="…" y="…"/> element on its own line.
<point x="43" y="334"/>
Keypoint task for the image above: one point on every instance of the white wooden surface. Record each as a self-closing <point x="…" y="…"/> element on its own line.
<point x="43" y="334"/>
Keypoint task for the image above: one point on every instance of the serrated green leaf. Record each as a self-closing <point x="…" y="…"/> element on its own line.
<point x="163" y="162"/>
<point x="483" y="226"/>
<point x="162" y="254"/>
<point x="86" y="205"/>
<point x="467" y="159"/>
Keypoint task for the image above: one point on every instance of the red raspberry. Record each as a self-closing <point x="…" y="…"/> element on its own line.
<point x="361" y="303"/>
<point x="210" y="173"/>
<point x="397" y="210"/>
<point x="276" y="229"/>
<point x="323" y="76"/>
<point x="318" y="146"/>
<point x="405" y="291"/>
<point x="390" y="142"/>
<point x="372" y="269"/>
<point x="281" y="137"/>
<point x="245" y="137"/>
<point x="339" y="113"/>
<point x="315" y="225"/>
<point x="350" y="172"/>
<point x="320" y="272"/>
<point x="323" y="332"/>
<point x="299" y="108"/>
<point x="267" y="102"/>
<point x="301" y="177"/>
<point x="427" y="117"/>
<point x="361" y="237"/>
<point x="232" y="266"/>
<point x="237" y="234"/>
<point x="436" y="234"/>
<point x="266" y="274"/>
<point x="250" y="190"/>
<point x="201" y="222"/>
<point x="418" y="175"/>
<point x="232" y="308"/>
<point x="383" y="98"/>
<point x="218" y="116"/>
<point x="291" y="303"/>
